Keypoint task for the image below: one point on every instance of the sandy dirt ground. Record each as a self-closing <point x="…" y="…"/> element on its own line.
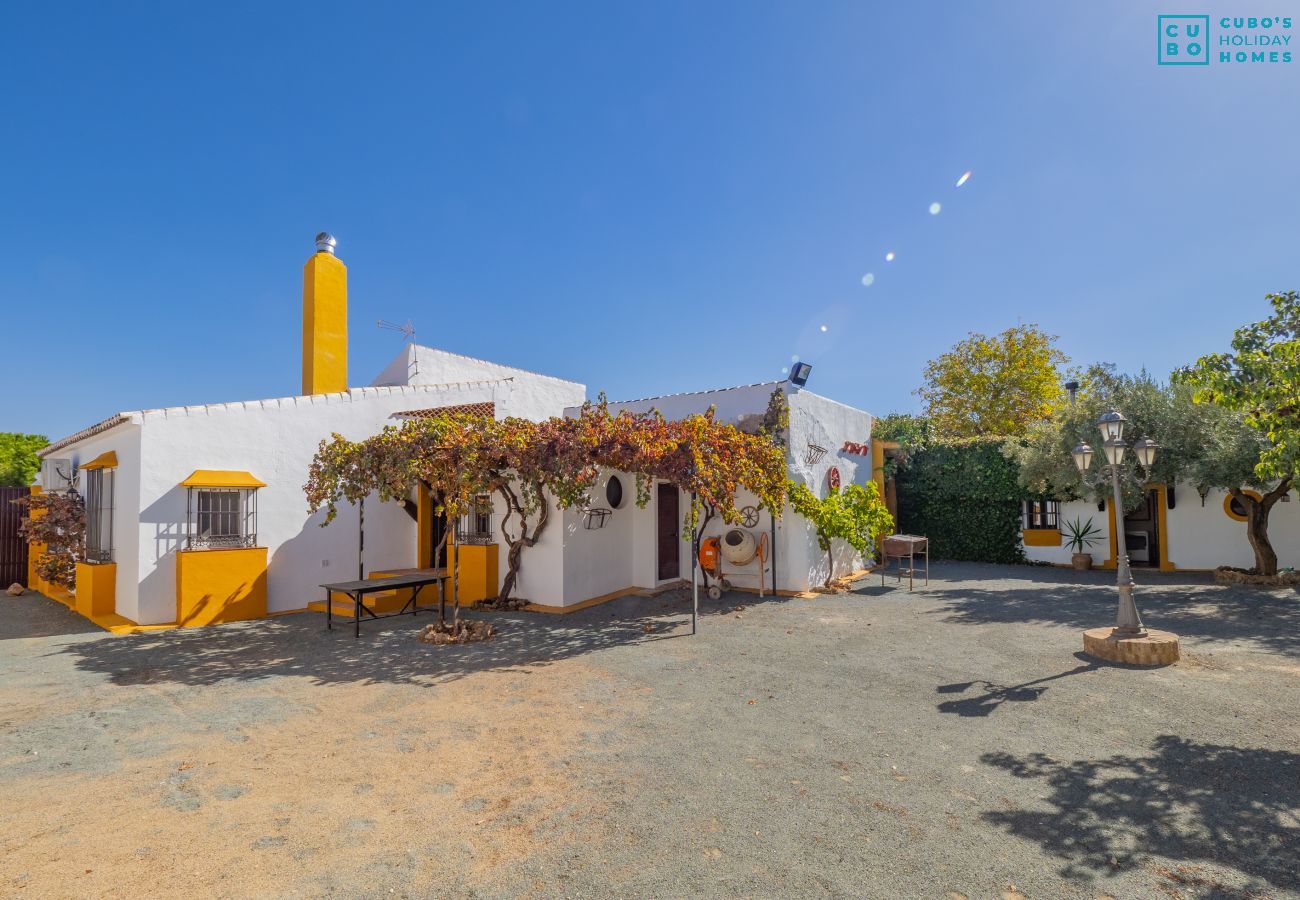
<point x="950" y="742"/>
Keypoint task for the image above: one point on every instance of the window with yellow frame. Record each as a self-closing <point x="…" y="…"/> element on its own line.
<point x="1235" y="508"/>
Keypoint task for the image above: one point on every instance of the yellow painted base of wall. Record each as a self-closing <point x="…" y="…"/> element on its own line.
<point x="215" y="586"/>
<point x="476" y="572"/>
<point x="96" y="589"/>
<point x="1041" y="537"/>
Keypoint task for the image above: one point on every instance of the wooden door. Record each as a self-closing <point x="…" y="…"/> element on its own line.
<point x="13" y="549"/>
<point x="1145" y="520"/>
<point x="669" y="520"/>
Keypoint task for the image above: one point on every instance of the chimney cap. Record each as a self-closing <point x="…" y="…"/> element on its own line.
<point x="325" y="243"/>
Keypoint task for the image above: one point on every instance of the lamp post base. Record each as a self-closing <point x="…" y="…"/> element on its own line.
<point x="1155" y="648"/>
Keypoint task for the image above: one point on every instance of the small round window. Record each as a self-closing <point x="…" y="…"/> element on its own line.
<point x="1235" y="508"/>
<point x="614" y="492"/>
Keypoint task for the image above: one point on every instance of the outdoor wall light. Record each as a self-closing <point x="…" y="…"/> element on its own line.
<point x="799" y="373"/>
<point x="1082" y="454"/>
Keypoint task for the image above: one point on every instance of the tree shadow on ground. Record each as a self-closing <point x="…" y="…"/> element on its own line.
<point x="995" y="695"/>
<point x="1187" y="801"/>
<point x="33" y="615"/>
<point x="387" y="651"/>
<point x="1189" y="605"/>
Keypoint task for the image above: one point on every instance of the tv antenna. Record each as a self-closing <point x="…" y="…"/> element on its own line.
<point x="407" y="330"/>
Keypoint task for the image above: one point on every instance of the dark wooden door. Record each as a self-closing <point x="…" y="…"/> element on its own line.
<point x="1145" y="521"/>
<point x="437" y="532"/>
<point x="670" y="545"/>
<point x="13" y="549"/>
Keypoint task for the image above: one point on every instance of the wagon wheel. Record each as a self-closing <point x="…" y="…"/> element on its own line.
<point x="749" y="516"/>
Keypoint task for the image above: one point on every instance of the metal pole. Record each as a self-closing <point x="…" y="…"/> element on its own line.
<point x="772" y="516"/>
<point x="695" y="575"/>
<point x="361" y="539"/>
<point x="1127" y="620"/>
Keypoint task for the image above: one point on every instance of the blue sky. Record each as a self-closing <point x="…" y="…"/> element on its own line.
<point x="647" y="198"/>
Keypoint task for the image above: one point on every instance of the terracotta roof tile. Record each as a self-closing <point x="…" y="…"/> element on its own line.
<point x="487" y="408"/>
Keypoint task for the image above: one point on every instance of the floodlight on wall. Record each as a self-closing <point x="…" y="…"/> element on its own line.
<point x="799" y="373"/>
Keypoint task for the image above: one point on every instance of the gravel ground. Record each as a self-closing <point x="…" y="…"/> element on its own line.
<point x="949" y="742"/>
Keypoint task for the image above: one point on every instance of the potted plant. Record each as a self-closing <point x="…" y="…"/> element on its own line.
<point x="1082" y="535"/>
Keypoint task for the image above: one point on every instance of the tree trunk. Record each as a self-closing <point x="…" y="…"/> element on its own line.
<point x="830" y="559"/>
<point x="1257" y="512"/>
<point x="517" y="545"/>
<point x="438" y="552"/>
<point x="1257" y="534"/>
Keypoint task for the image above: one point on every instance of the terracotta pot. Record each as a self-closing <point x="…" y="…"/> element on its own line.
<point x="1082" y="562"/>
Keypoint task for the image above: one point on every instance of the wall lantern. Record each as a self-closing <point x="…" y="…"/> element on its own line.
<point x="799" y="373"/>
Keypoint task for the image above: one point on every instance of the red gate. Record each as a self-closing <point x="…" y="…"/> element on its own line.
<point x="13" y="549"/>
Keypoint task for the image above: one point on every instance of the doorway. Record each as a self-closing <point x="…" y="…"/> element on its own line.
<point x="1141" y="532"/>
<point x="668" y="519"/>
<point x="432" y="528"/>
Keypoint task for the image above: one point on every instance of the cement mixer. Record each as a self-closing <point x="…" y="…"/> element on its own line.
<point x="738" y="548"/>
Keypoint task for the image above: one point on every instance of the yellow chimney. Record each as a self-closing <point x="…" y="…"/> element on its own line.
<point x="324" y="320"/>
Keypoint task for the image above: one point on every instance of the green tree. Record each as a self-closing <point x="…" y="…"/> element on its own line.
<point x="999" y="384"/>
<point x="1205" y="445"/>
<point x="855" y="515"/>
<point x="1260" y="379"/>
<point x="909" y="431"/>
<point x="18" y="460"/>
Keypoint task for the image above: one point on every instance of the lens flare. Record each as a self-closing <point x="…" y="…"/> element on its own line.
<point x="934" y="209"/>
<point x="823" y="328"/>
<point x="868" y="280"/>
<point x="785" y="370"/>
<point x="794" y="358"/>
<point x="965" y="177"/>
<point x="889" y="257"/>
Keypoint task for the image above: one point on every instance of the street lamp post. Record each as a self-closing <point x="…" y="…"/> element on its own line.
<point x="1129" y="641"/>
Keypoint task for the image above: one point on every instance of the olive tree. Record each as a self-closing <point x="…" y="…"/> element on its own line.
<point x="1260" y="380"/>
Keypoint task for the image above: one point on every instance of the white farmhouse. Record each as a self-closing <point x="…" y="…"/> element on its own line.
<point x="196" y="514"/>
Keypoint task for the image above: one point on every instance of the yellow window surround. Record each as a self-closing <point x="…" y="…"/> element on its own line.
<point x="1232" y="513"/>
<point x="1041" y="537"/>
<point x="220" y="478"/>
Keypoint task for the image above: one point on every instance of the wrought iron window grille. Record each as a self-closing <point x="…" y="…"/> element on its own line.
<point x="99" y="515"/>
<point x="220" y="518"/>
<point x="475" y="527"/>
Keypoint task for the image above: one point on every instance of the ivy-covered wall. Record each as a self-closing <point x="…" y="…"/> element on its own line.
<point x="963" y="495"/>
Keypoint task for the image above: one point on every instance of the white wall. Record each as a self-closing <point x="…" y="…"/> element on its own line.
<point x="590" y="564"/>
<point x="1082" y="510"/>
<point x="1206" y="537"/>
<point x="1197" y="537"/>
<point x="826" y="423"/>
<point x="535" y="395"/>
<point x="275" y="440"/>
